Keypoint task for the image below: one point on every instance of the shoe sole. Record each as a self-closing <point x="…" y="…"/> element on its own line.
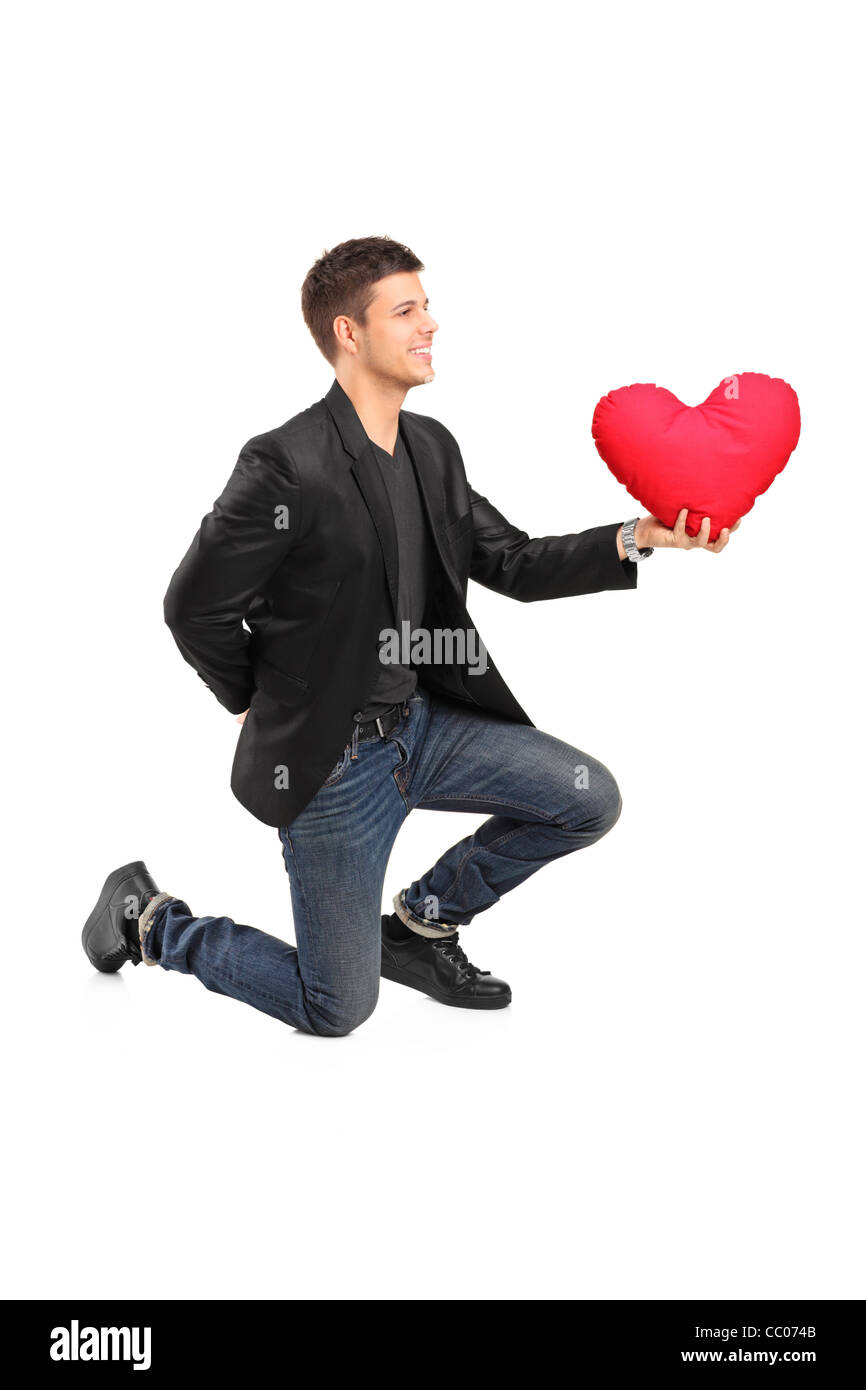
<point x="111" y="884"/>
<point x="496" y="1001"/>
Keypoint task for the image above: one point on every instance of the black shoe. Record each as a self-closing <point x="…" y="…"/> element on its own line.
<point x="110" y="935"/>
<point x="438" y="966"/>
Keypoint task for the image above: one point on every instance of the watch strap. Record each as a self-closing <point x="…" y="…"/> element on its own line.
<point x="628" y="541"/>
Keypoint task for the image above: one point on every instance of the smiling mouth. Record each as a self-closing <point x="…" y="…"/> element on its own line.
<point x="425" y="353"/>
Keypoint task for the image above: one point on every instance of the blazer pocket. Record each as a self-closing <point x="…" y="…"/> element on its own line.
<point x="280" y="685"/>
<point x="459" y="527"/>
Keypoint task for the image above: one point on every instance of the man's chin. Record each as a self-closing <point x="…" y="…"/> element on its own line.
<point x="422" y="380"/>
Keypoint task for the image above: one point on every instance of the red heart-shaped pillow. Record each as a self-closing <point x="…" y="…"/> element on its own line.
<point x="714" y="458"/>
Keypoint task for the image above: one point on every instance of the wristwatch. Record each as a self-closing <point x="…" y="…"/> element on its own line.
<point x="629" y="546"/>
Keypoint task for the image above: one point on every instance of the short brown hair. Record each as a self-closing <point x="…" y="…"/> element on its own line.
<point x="342" y="280"/>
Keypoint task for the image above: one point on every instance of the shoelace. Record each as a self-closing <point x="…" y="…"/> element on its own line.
<point x="451" y="949"/>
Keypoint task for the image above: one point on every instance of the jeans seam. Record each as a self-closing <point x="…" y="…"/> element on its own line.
<point x="478" y="849"/>
<point x="402" y="766"/>
<point x="497" y="800"/>
<point x="303" y="895"/>
<point x="401" y="792"/>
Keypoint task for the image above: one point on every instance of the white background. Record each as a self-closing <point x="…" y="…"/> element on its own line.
<point x="672" y="1106"/>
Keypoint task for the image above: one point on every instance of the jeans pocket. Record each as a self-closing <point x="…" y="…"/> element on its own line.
<point x="399" y="768"/>
<point x="339" y="768"/>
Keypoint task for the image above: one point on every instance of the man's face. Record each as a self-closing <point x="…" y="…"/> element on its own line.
<point x="396" y="342"/>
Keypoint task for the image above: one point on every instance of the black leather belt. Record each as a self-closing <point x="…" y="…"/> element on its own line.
<point x="382" y="724"/>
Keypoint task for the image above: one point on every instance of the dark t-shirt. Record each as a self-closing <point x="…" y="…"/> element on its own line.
<point x="414" y="548"/>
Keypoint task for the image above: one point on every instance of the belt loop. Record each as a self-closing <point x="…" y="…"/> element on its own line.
<point x="355" y="741"/>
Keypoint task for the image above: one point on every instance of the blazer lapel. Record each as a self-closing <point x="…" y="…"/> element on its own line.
<point x="427" y="474"/>
<point x="367" y="473"/>
<point x="368" y="476"/>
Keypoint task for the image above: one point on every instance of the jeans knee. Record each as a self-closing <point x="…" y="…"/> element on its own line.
<point x="338" y="1020"/>
<point x="598" y="806"/>
<point x="614" y="810"/>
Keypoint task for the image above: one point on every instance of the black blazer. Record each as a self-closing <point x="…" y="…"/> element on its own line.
<point x="301" y="547"/>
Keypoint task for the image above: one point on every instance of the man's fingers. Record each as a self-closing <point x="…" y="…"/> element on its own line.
<point x="702" y="539"/>
<point x="724" y="536"/>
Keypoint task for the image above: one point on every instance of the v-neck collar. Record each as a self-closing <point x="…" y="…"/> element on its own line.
<point x="395" y="459"/>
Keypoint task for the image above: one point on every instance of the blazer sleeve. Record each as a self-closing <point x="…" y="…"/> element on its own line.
<point x="240" y="543"/>
<point x="507" y="560"/>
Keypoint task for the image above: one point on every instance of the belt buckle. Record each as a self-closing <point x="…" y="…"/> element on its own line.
<point x="379" y="727"/>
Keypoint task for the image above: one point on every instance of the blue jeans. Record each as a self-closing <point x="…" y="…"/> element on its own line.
<point x="545" y="799"/>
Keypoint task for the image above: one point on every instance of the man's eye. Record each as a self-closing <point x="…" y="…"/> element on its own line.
<point x="403" y="313"/>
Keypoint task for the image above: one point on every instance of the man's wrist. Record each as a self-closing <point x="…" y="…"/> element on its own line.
<point x="638" y="538"/>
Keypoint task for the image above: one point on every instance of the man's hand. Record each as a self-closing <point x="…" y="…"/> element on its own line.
<point x="239" y="718"/>
<point x="650" y="531"/>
